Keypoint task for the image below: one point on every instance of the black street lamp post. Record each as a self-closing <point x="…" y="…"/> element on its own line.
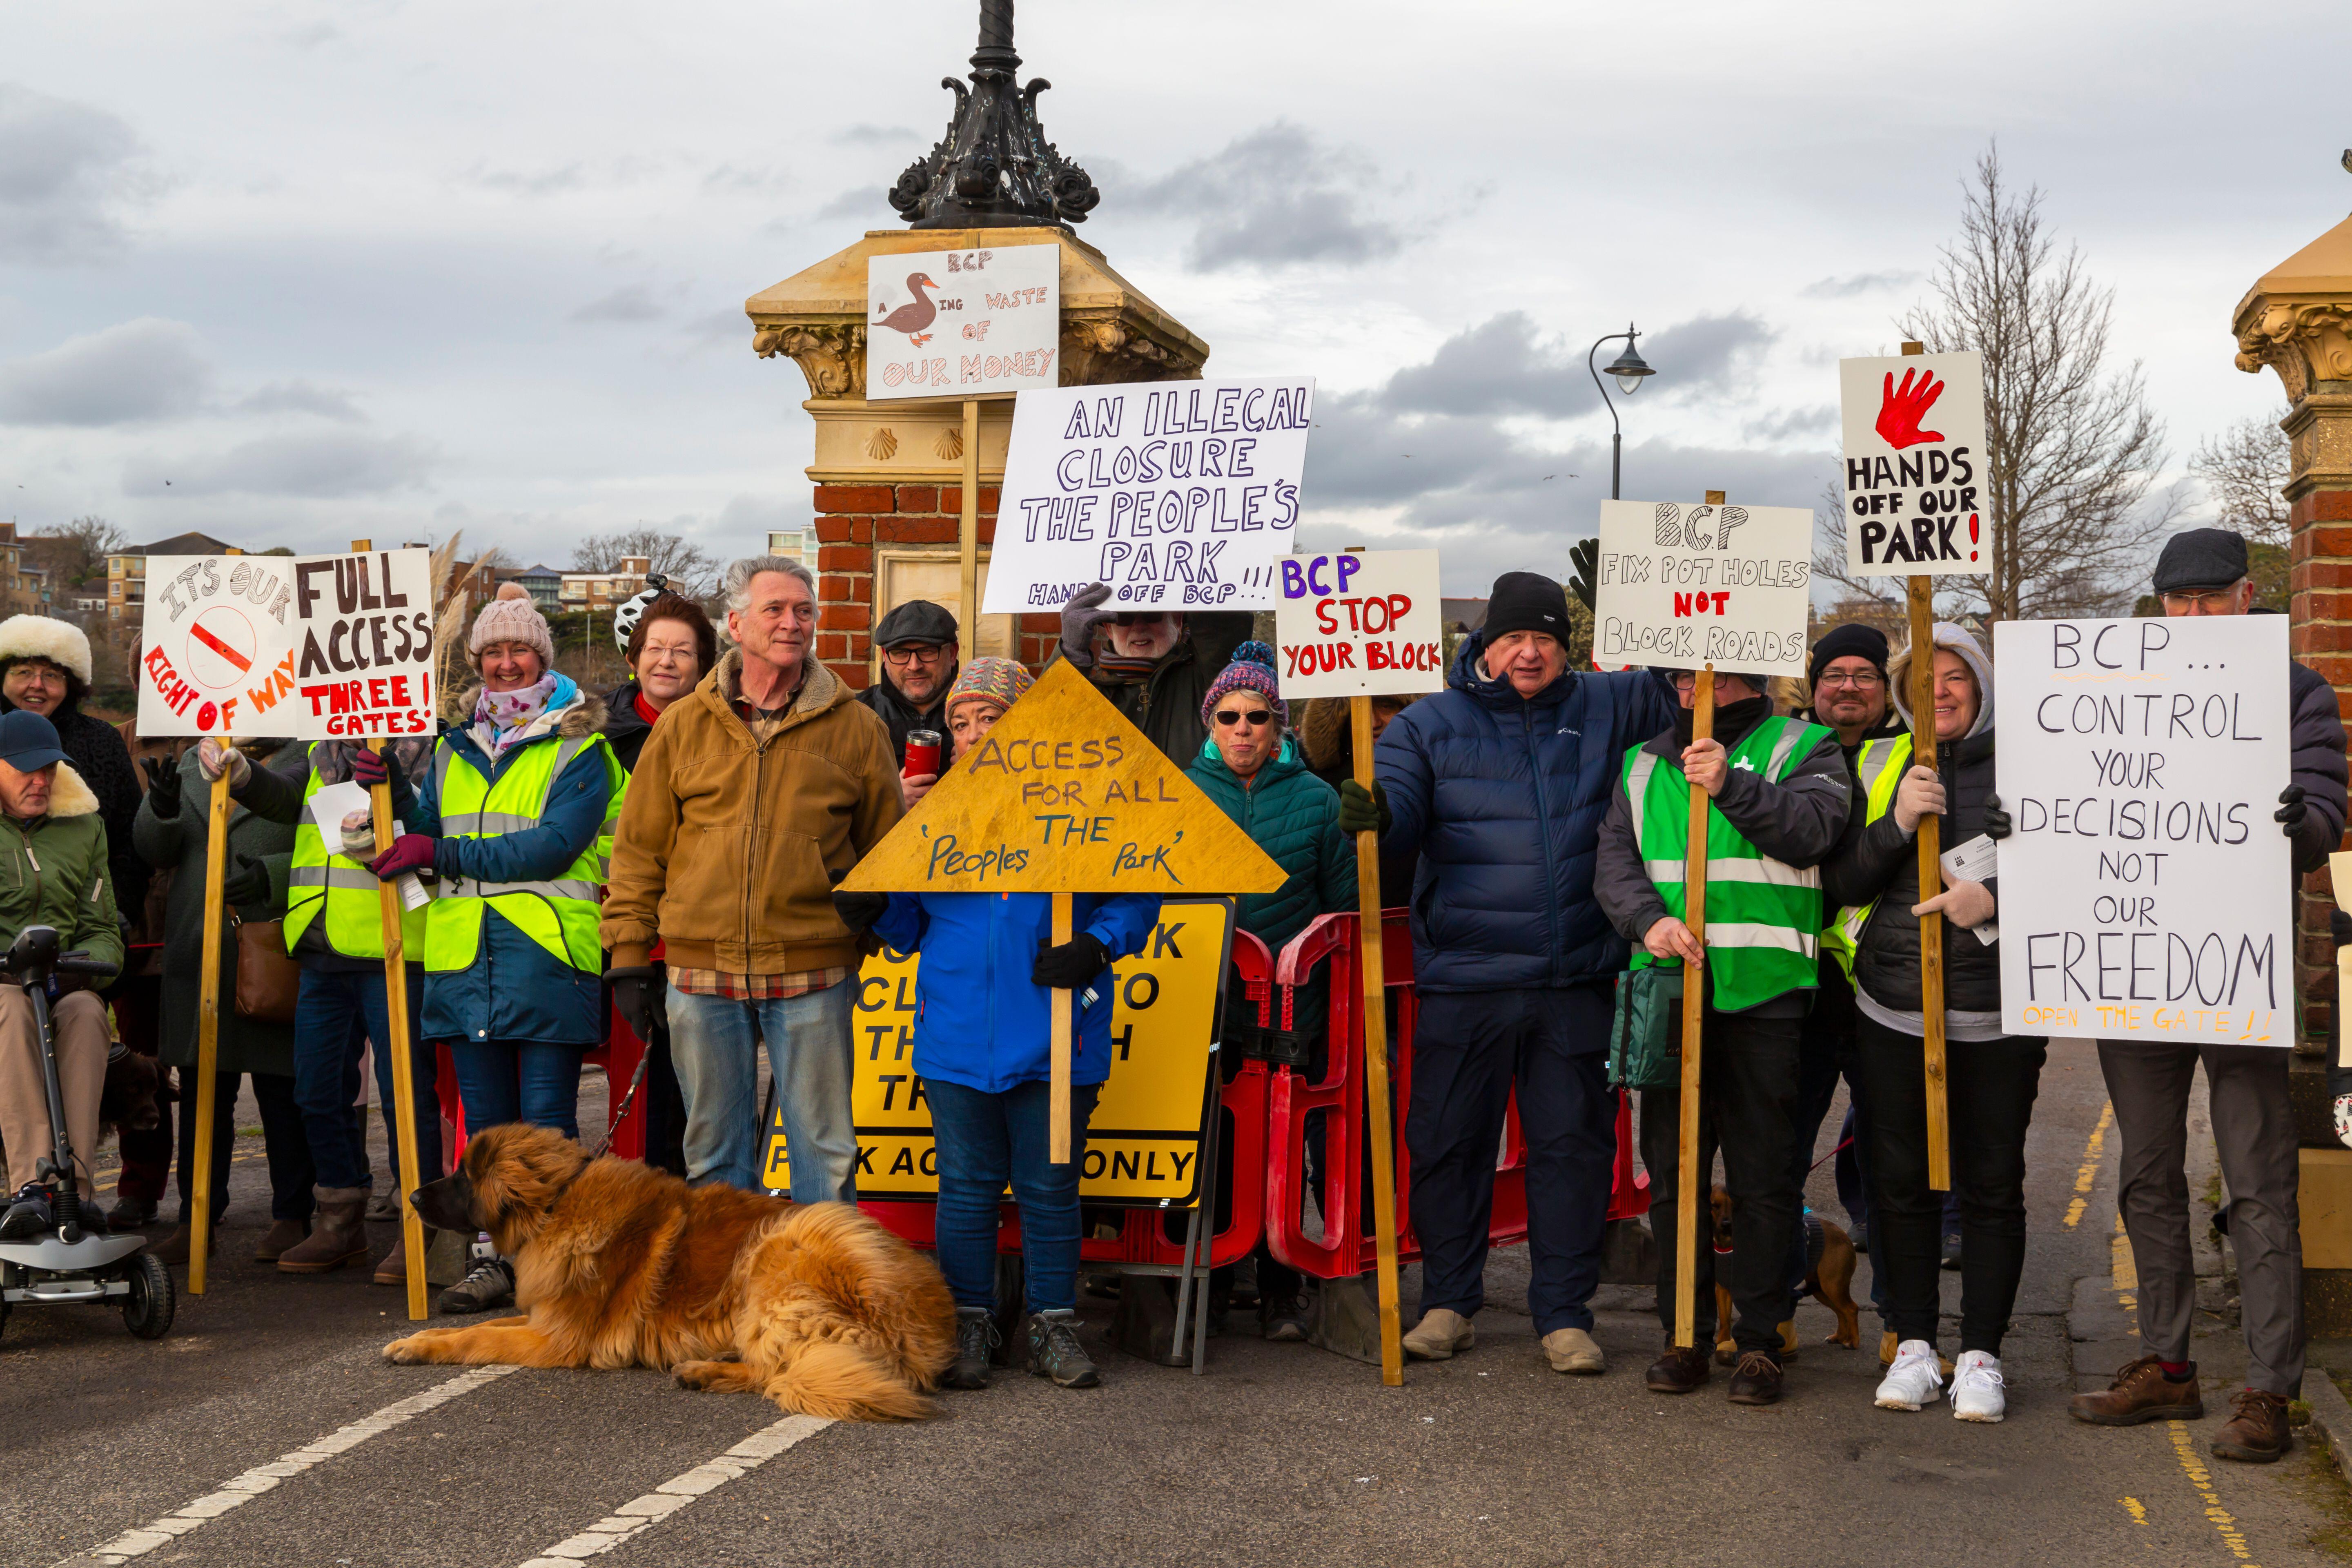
<point x="1629" y="369"/>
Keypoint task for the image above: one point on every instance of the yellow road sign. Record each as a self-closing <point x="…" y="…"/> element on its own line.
<point x="1063" y="796"/>
<point x="1144" y="1143"/>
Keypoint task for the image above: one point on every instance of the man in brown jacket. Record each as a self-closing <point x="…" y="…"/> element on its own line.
<point x="753" y="795"/>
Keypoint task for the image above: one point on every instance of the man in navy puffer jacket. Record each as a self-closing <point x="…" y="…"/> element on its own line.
<point x="1500" y="782"/>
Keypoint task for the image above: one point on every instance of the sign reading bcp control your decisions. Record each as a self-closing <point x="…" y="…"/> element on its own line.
<point x="1180" y="495"/>
<point x="1915" y="465"/>
<point x="2144" y="890"/>
<point x="1687" y="585"/>
<point x="1360" y="625"/>
<point x="953" y="323"/>
<point x="310" y="647"/>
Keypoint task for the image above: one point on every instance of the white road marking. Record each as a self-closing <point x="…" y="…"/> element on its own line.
<point x="238" y="1490"/>
<point x="638" y="1515"/>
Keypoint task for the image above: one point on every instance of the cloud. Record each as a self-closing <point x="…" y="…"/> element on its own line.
<point x="302" y="397"/>
<point x="145" y="369"/>
<point x="67" y="173"/>
<point x="1504" y="365"/>
<point x="630" y="303"/>
<point x="1275" y="197"/>
<point x="1859" y="283"/>
<point x="322" y="465"/>
<point x="872" y="200"/>
<point x="762" y="181"/>
<point x="874" y="135"/>
<point x="1705" y="353"/>
<point x="521" y="183"/>
<point x="1820" y="419"/>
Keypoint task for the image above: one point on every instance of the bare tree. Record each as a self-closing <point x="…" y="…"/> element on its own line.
<point x="2073" y="450"/>
<point x="2245" y="469"/>
<point x="691" y="569"/>
<point x="76" y="552"/>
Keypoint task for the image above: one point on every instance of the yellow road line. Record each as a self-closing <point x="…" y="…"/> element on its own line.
<point x="2137" y="1509"/>
<point x="2088" y="1171"/>
<point x="2201" y="1481"/>
<point x="2124" y="1267"/>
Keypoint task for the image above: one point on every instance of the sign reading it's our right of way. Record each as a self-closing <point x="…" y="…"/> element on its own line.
<point x="1915" y="465"/>
<point x="2145" y="890"/>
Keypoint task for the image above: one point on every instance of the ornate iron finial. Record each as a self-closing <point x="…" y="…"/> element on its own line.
<point x="994" y="168"/>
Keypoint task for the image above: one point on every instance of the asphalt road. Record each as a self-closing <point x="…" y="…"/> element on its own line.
<point x="1281" y="1453"/>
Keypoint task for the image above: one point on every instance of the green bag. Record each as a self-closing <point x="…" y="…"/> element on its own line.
<point x="1645" y="1041"/>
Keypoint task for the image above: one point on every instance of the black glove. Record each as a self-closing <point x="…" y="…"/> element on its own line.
<point x="1362" y="810"/>
<point x="858" y="911"/>
<point x="1080" y="617"/>
<point x="1070" y="966"/>
<point x="248" y="884"/>
<point x="162" y="786"/>
<point x="2292" y="810"/>
<point x="370" y="768"/>
<point x="1997" y="825"/>
<point x="637" y="992"/>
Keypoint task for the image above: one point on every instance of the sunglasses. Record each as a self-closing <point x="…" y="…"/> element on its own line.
<point x="1143" y="619"/>
<point x="1229" y="717"/>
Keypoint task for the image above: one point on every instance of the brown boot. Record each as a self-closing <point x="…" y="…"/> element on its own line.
<point x="173" y="1250"/>
<point x="337" y="1237"/>
<point x="1758" y="1381"/>
<point x="2140" y="1393"/>
<point x="393" y="1269"/>
<point x="1677" y="1370"/>
<point x="280" y="1236"/>
<point x="2257" y="1432"/>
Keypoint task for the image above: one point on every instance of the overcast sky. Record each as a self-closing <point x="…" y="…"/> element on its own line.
<point x="395" y="270"/>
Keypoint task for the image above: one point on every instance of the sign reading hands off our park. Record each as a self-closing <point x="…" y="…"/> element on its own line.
<point x="1181" y="495"/>
<point x="1687" y="585"/>
<point x="1915" y="465"/>
<point x="954" y="323"/>
<point x="2145" y="888"/>
<point x="1360" y="625"/>
<point x="1063" y="796"/>
<point x="310" y="647"/>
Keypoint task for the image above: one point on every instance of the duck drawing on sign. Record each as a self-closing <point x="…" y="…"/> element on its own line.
<point x="915" y="318"/>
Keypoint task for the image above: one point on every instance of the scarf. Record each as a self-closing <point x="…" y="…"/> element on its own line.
<point x="500" y="718"/>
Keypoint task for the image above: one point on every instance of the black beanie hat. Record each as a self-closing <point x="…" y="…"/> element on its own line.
<point x="1525" y="602"/>
<point x="1850" y="639"/>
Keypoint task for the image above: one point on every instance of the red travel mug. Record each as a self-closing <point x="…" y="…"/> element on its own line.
<point x="922" y="753"/>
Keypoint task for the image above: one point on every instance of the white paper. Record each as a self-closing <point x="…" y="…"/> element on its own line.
<point x="329" y="804"/>
<point x="1975" y="862"/>
<point x="1181" y="495"/>
<point x="1915" y="465"/>
<point x="952" y="323"/>
<point x="2146" y="889"/>
<point x="1686" y="585"/>
<point x="1363" y="625"/>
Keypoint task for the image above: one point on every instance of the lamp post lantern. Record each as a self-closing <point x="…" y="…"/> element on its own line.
<point x="1629" y="370"/>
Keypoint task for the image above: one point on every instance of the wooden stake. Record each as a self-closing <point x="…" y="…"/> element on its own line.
<point x="1057" y="1109"/>
<point x="968" y="602"/>
<point x="1688" y="1177"/>
<point x="1931" y="876"/>
<point x="1376" y="1058"/>
<point x="208" y="990"/>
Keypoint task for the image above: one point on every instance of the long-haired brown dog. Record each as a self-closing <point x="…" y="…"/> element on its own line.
<point x="618" y="1264"/>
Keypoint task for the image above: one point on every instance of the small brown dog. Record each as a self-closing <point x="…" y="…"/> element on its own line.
<point x="127" y="1103"/>
<point x="1829" y="1281"/>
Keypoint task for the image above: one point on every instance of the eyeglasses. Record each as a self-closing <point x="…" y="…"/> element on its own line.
<point x="1688" y="681"/>
<point x="2212" y="602"/>
<point x="1868" y="681"/>
<point x="915" y="653"/>
<point x="1231" y="716"/>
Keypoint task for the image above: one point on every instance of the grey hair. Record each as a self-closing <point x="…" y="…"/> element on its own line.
<point x="738" y="583"/>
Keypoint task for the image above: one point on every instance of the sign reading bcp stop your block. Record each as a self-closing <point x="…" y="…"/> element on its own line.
<point x="310" y="647"/>
<point x="1367" y="625"/>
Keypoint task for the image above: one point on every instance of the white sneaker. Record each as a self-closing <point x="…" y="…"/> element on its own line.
<point x="1914" y="1379"/>
<point x="1976" y="1387"/>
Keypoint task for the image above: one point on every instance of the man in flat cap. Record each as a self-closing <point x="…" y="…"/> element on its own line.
<point x="917" y="640"/>
<point x="2203" y="572"/>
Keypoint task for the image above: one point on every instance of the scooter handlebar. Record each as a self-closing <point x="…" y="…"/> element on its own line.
<point x="82" y="964"/>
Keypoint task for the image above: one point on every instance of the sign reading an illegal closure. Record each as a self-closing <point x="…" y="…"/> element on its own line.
<point x="1915" y="465"/>
<point x="1149" y="1118"/>
<point x="1689" y="585"/>
<point x="1366" y="624"/>
<point x="1180" y="495"/>
<point x="2144" y="890"/>
<point x="953" y="323"/>
<point x="310" y="647"/>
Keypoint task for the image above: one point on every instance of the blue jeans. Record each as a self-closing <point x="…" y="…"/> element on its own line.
<point x="517" y="1081"/>
<point x="713" y="1046"/>
<point x="984" y="1141"/>
<point x="336" y="1013"/>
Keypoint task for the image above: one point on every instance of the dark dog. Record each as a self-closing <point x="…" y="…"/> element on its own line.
<point x="126" y="1104"/>
<point x="1829" y="1281"/>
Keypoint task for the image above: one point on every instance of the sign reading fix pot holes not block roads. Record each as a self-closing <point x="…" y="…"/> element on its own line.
<point x="1180" y="495"/>
<point x="950" y="323"/>
<point x="1687" y="585"/>
<point x="310" y="647"/>
<point x="2144" y="890"/>
<point x="1367" y="625"/>
<point x="1915" y="465"/>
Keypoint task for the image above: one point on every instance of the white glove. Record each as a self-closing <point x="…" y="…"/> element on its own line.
<point x="212" y="756"/>
<point x="1921" y="794"/>
<point x="359" y="836"/>
<point x="2344" y="1120"/>
<point x="1966" y="904"/>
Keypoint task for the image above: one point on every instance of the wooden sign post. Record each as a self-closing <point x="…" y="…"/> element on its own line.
<point x="208" y="986"/>
<point x="1688" y="1177"/>
<point x="1376" y="1057"/>
<point x="968" y="538"/>
<point x="1920" y="594"/>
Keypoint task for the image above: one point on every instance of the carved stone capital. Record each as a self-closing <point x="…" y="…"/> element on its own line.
<point x="2307" y="342"/>
<point x="832" y="354"/>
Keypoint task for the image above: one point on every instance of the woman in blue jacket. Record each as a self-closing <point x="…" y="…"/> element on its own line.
<point x="984" y="1027"/>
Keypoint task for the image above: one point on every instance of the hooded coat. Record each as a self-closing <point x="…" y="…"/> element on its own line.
<point x="1503" y="796"/>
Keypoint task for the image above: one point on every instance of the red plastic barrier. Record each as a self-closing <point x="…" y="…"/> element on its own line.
<point x="1348" y="1247"/>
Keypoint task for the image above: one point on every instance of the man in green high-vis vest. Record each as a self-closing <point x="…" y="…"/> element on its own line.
<point x="1779" y="794"/>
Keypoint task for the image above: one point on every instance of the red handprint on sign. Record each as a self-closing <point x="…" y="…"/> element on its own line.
<point x="1904" y="406"/>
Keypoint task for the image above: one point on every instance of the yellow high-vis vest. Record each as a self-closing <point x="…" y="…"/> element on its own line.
<point x="341" y="890"/>
<point x="560" y="915"/>
<point x="1880" y="767"/>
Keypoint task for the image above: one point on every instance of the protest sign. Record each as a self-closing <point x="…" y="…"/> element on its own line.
<point x="954" y="323"/>
<point x="1360" y="624"/>
<point x="1180" y="495"/>
<point x="1915" y="465"/>
<point x="311" y="647"/>
<point x="2144" y="891"/>
<point x="1686" y="585"/>
<point x="1144" y="1142"/>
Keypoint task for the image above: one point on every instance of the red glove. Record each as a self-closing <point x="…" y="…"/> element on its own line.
<point x="409" y="852"/>
<point x="369" y="768"/>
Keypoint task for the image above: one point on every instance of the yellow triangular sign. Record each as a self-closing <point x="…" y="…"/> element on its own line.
<point x="1065" y="795"/>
